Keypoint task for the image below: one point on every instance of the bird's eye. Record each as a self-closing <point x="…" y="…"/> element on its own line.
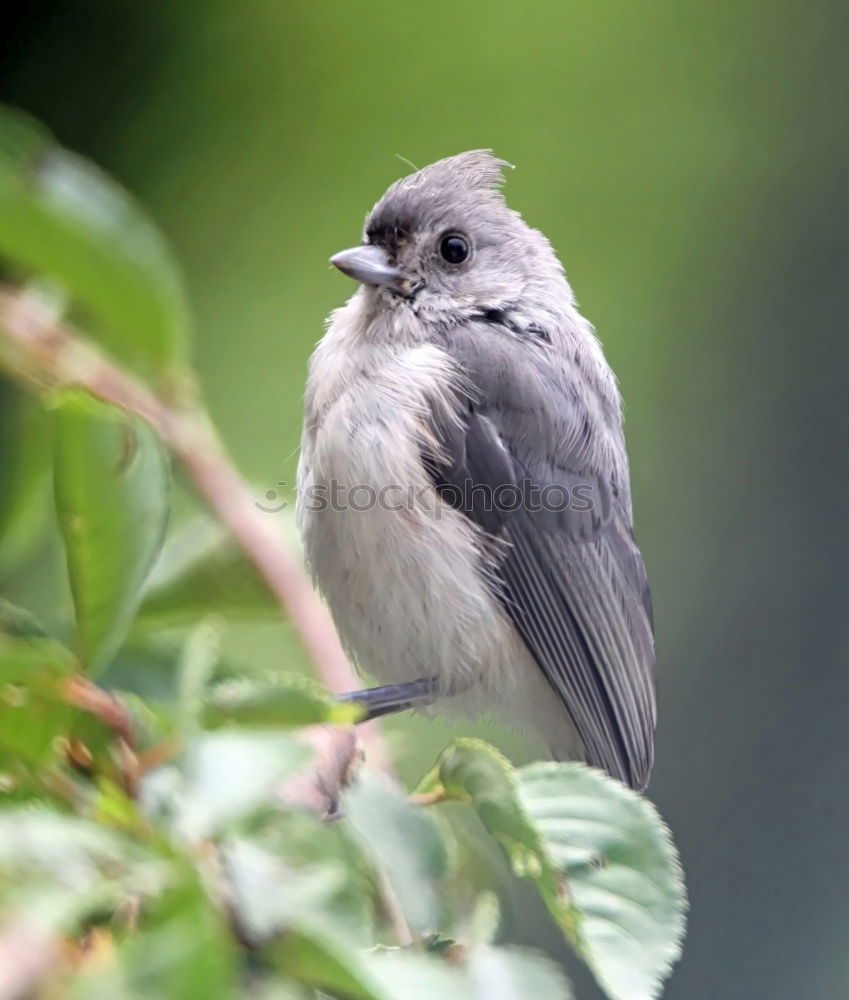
<point x="454" y="248"/>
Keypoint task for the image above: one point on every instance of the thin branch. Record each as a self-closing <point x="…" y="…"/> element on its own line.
<point x="83" y="694"/>
<point x="58" y="352"/>
<point x="404" y="937"/>
<point x="80" y="692"/>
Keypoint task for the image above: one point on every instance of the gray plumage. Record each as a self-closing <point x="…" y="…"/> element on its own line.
<point x="443" y="384"/>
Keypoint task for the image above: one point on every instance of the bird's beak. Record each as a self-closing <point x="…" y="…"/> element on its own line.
<point x="368" y="264"/>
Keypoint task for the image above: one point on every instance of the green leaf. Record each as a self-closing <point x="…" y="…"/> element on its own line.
<point x="183" y="949"/>
<point x="315" y="955"/>
<point x="41" y="729"/>
<point x="598" y="853"/>
<point x="27" y="653"/>
<point x="31" y="727"/>
<point x="402" y="841"/>
<point x="180" y="948"/>
<point x="197" y="663"/>
<point x="290" y="702"/>
<point x="242" y="694"/>
<point x="322" y="960"/>
<point x="472" y="771"/>
<point x="43" y="843"/>
<point x="32" y="712"/>
<point x="622" y="869"/>
<point x="147" y="668"/>
<point x="515" y="974"/>
<point x="61" y="218"/>
<point x="111" y="485"/>
<point x="250" y="869"/>
<point x="226" y="777"/>
<point x="24" y="471"/>
<point x="304" y="842"/>
<point x="319" y="957"/>
<point x="202" y="571"/>
<point x="58" y="869"/>
<point x="485" y="973"/>
<point x="485" y="867"/>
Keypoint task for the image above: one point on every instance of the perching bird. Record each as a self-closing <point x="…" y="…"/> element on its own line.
<point x="463" y="489"/>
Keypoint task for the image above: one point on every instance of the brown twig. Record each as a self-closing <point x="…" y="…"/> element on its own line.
<point x="88" y="697"/>
<point x="81" y="693"/>
<point x="57" y="352"/>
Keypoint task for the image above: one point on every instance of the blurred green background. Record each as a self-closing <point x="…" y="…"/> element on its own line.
<point x="691" y="164"/>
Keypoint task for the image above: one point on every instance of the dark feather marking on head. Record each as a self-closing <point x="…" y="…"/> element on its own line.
<point x="431" y="193"/>
<point x="389" y="231"/>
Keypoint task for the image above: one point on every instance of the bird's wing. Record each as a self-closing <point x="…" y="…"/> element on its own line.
<point x="571" y="579"/>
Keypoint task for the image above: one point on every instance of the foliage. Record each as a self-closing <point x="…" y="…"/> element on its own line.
<point x="149" y="843"/>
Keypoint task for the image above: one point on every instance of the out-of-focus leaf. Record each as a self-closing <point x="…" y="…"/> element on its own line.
<point x="197" y="663"/>
<point x="485" y="920"/>
<point x="111" y="483"/>
<point x="60" y="217"/>
<point x="100" y="975"/>
<point x="24" y="471"/>
<point x="402" y="841"/>
<point x="228" y="775"/>
<point x="320" y="957"/>
<point x="33" y="714"/>
<point x="147" y="668"/>
<point x="316" y="956"/>
<point x="113" y="808"/>
<point x="27" y="653"/>
<point x="43" y="727"/>
<point x="32" y="725"/>
<point x="183" y="948"/>
<point x="60" y="848"/>
<point x="279" y="989"/>
<point x="18" y="623"/>
<point x="303" y="842"/>
<point x="42" y="737"/>
<point x="202" y="571"/>
<point x="289" y="703"/>
<point x="58" y="869"/>
<point x="622" y="869"/>
<point x="515" y="974"/>
<point x="267" y="896"/>
<point x="474" y="772"/>
<point x="236" y="694"/>
<point x="484" y="973"/>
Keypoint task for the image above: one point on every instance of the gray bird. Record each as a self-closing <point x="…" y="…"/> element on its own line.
<point x="463" y="490"/>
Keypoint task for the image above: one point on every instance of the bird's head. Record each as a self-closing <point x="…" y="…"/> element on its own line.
<point x="443" y="242"/>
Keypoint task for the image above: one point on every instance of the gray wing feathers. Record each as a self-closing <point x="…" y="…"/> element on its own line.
<point x="588" y="632"/>
<point x="573" y="582"/>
